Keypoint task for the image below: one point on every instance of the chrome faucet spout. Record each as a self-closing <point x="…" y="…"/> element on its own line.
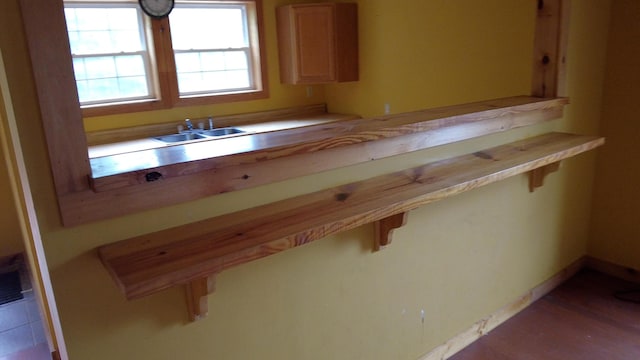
<point x="189" y="124"/>
<point x="210" y="123"/>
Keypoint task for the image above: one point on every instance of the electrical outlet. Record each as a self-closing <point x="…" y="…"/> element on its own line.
<point x="387" y="109"/>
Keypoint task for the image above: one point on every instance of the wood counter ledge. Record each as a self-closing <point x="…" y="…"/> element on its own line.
<point x="437" y="126"/>
<point x="193" y="254"/>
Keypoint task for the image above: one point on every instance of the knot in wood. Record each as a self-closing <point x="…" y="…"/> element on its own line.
<point x="483" y="155"/>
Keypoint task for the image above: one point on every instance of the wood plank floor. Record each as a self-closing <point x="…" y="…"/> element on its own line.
<point x="582" y="319"/>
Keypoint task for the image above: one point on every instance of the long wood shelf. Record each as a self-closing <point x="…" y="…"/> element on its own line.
<point x="193" y="254"/>
<point x="197" y="170"/>
<point x="438" y="126"/>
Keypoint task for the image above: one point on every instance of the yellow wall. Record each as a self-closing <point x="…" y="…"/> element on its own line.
<point x="458" y="259"/>
<point x="423" y="54"/>
<point x="616" y="233"/>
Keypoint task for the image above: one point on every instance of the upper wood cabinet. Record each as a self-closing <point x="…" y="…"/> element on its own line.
<point x="318" y="43"/>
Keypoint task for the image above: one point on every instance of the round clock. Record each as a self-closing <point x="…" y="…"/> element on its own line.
<point x="156" y="8"/>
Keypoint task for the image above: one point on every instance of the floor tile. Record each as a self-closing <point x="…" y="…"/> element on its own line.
<point x="13" y="315"/>
<point x="38" y="352"/>
<point x="33" y="309"/>
<point x="16" y="339"/>
<point x="37" y="328"/>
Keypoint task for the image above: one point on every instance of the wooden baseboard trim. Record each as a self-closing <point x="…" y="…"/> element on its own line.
<point x="484" y="326"/>
<point x="615" y="270"/>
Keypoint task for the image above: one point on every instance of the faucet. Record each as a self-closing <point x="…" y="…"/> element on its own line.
<point x="210" y="123"/>
<point x="189" y="124"/>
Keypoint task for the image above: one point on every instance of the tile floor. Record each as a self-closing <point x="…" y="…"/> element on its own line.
<point x="22" y="333"/>
<point x="21" y="326"/>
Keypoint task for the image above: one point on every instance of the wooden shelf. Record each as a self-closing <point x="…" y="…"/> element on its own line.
<point x="193" y="254"/>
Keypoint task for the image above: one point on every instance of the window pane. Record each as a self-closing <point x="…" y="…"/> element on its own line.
<point x="212" y="61"/>
<point x="237" y="79"/>
<point x="135" y="86"/>
<point x="208" y="28"/>
<point x="91" y="19"/>
<point x="190" y="82"/>
<point x="217" y="80"/>
<point x="110" y="59"/>
<point x="91" y="42"/>
<point x="126" y="74"/>
<point x="72" y="21"/>
<point x="130" y="65"/>
<point x="103" y="31"/>
<point x="100" y="89"/>
<point x="235" y="60"/>
<point x="125" y="40"/>
<point x="123" y="19"/>
<point x="188" y="62"/>
<point x="100" y="67"/>
<point x="79" y="70"/>
<point x="211" y="45"/>
<point x="212" y="71"/>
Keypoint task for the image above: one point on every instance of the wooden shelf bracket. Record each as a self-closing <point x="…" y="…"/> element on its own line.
<point x="536" y="176"/>
<point x="197" y="293"/>
<point x="384" y="229"/>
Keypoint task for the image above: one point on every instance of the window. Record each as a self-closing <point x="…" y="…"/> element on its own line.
<point x="110" y="57"/>
<point x="205" y="52"/>
<point x="205" y="61"/>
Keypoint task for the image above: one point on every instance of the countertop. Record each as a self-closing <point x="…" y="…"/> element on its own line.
<point x="97" y="151"/>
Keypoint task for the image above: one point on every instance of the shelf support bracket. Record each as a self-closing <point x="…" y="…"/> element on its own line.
<point x="384" y="229"/>
<point x="536" y="176"/>
<point x="197" y="293"/>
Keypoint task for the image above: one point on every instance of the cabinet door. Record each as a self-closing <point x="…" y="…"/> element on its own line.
<point x="315" y="45"/>
<point x="318" y="43"/>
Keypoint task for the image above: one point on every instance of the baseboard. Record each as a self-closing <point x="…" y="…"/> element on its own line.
<point x="482" y="327"/>
<point x="615" y="270"/>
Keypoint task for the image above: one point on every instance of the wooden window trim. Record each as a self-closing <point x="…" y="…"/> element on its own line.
<point x="68" y="155"/>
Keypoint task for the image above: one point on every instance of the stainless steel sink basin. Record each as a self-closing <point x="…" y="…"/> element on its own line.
<point x="199" y="135"/>
<point x="180" y="137"/>
<point x="222" y="131"/>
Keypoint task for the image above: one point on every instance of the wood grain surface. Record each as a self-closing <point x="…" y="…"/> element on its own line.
<point x="181" y="255"/>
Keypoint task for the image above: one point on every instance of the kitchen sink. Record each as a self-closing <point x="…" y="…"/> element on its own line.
<point x="180" y="137"/>
<point x="221" y="131"/>
<point x="199" y="135"/>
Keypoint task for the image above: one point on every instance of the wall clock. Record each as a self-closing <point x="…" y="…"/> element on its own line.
<point x="157" y="8"/>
